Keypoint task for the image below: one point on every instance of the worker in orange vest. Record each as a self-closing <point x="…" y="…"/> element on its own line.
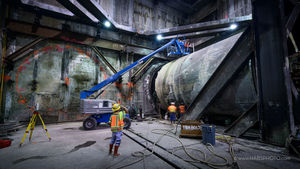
<point x="181" y="110"/>
<point x="116" y="124"/>
<point x="172" y="110"/>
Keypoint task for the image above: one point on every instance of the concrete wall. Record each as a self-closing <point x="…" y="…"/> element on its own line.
<point x="221" y="9"/>
<point x="53" y="75"/>
<point x="143" y="15"/>
<point x="234" y="8"/>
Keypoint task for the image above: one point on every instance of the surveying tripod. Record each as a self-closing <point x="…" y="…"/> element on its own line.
<point x="32" y="125"/>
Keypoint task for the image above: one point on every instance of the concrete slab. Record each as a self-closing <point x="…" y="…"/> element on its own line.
<point x="61" y="153"/>
<point x="73" y="147"/>
<point x="247" y="153"/>
<point x="165" y="155"/>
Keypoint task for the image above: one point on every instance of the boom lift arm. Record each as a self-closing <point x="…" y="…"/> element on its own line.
<point x="86" y="93"/>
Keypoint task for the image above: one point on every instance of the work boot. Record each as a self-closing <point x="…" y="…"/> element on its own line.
<point x="116" y="151"/>
<point x="110" y="148"/>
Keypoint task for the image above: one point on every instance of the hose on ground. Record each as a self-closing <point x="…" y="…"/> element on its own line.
<point x="209" y="147"/>
<point x="167" y="132"/>
<point x="141" y="154"/>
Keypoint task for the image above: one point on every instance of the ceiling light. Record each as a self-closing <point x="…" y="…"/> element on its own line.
<point x="107" y="24"/>
<point x="159" y="37"/>
<point x="233" y="26"/>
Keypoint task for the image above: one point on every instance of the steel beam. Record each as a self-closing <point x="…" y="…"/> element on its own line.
<point x="231" y="64"/>
<point x="47" y="7"/>
<point x="292" y="19"/>
<point x="35" y="7"/>
<point x="98" y="52"/>
<point x="86" y="93"/>
<point x="77" y="9"/>
<point x="96" y="9"/>
<point x="3" y="45"/>
<point x="56" y="34"/>
<point x="122" y="37"/>
<point x="243" y="123"/>
<point x="294" y="90"/>
<point x="160" y="152"/>
<point x="205" y="8"/>
<point x="90" y="9"/>
<point x="14" y="56"/>
<point x="180" y="6"/>
<point x="78" y="26"/>
<point x="274" y="91"/>
<point x="217" y="38"/>
<point x="206" y="33"/>
<point x="223" y="23"/>
<point x="138" y="73"/>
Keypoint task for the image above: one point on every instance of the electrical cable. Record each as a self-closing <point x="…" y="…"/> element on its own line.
<point x="165" y="132"/>
<point x="194" y="159"/>
<point x="141" y="154"/>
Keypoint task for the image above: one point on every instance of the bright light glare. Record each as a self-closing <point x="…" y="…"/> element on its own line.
<point x="159" y="37"/>
<point x="107" y="24"/>
<point x="233" y="26"/>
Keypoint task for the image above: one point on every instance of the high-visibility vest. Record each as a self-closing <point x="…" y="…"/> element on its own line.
<point x="182" y="109"/>
<point x="172" y="109"/>
<point x="116" y="122"/>
<point x="186" y="44"/>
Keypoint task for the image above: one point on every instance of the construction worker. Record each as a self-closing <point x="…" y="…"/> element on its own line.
<point x="116" y="124"/>
<point x="172" y="111"/>
<point x="123" y="111"/>
<point x="181" y="110"/>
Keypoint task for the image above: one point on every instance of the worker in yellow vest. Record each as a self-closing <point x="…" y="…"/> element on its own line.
<point x="172" y="111"/>
<point x="116" y="124"/>
<point x="181" y="109"/>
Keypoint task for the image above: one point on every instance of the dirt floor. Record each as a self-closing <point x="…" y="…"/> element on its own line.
<point x="73" y="147"/>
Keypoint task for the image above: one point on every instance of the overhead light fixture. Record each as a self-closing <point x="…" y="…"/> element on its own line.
<point x="233" y="26"/>
<point x="107" y="24"/>
<point x="159" y="37"/>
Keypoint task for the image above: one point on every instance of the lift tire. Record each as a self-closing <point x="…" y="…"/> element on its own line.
<point x="89" y="123"/>
<point x="127" y="123"/>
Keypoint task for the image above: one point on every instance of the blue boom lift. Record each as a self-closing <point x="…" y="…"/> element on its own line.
<point x="100" y="109"/>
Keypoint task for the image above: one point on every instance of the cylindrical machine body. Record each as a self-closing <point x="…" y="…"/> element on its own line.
<point x="182" y="80"/>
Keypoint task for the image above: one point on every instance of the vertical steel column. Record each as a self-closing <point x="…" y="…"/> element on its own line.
<point x="272" y="72"/>
<point x="3" y="34"/>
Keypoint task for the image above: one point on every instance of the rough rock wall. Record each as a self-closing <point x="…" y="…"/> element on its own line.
<point x="52" y="76"/>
